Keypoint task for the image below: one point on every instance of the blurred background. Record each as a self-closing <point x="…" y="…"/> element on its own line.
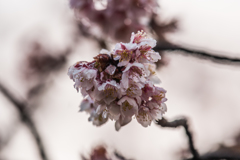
<point x="40" y="39"/>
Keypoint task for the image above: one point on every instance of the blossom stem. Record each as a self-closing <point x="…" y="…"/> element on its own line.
<point x="181" y="122"/>
<point x="26" y="119"/>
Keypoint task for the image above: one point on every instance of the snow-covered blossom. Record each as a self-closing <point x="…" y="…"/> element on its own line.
<point x="118" y="84"/>
<point x="116" y="18"/>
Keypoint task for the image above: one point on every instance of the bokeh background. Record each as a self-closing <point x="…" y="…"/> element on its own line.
<point x="206" y="92"/>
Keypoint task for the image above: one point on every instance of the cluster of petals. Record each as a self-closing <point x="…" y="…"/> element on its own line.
<point x="115" y="16"/>
<point x="120" y="84"/>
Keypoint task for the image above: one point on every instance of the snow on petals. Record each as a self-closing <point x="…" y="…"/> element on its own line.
<point x="119" y="84"/>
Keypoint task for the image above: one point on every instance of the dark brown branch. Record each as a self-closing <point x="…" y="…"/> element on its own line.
<point x="160" y="29"/>
<point x="177" y="123"/>
<point x="217" y="158"/>
<point x="120" y="157"/>
<point x="198" y="54"/>
<point x="26" y="118"/>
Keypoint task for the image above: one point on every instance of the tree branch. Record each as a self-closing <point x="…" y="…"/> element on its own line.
<point x="26" y="118"/>
<point x="198" y="54"/>
<point x="160" y="29"/>
<point x="120" y="156"/>
<point x="177" y="123"/>
<point x="216" y="158"/>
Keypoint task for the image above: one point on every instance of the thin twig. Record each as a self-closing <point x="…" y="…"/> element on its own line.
<point x="168" y="46"/>
<point x="120" y="156"/>
<point x="198" y="54"/>
<point x="177" y="123"/>
<point x="216" y="158"/>
<point x="26" y="118"/>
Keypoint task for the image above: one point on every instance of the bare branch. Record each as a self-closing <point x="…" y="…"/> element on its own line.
<point x="120" y="156"/>
<point x="177" y="123"/>
<point x="216" y="158"/>
<point x="26" y="118"/>
<point x="198" y="54"/>
<point x="160" y="29"/>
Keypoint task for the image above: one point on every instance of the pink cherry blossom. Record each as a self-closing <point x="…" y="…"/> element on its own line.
<point x="116" y="85"/>
<point x="124" y="53"/>
<point x="108" y="92"/>
<point x="110" y="69"/>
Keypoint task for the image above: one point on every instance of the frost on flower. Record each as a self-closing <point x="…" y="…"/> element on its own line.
<point x="119" y="84"/>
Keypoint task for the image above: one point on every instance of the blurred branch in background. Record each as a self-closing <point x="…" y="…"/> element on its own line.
<point x="221" y="153"/>
<point x="160" y="29"/>
<point x="21" y="107"/>
<point x="120" y="156"/>
<point x="228" y="152"/>
<point x="164" y="45"/>
<point x="198" y="54"/>
<point x="38" y="65"/>
<point x="40" y="61"/>
<point x="177" y="123"/>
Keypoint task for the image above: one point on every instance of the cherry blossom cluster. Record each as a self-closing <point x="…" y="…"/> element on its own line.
<point x="115" y="16"/>
<point x="120" y="84"/>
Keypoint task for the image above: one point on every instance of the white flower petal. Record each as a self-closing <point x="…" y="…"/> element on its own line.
<point x="114" y="111"/>
<point x="117" y="125"/>
<point x="139" y="100"/>
<point x="154" y="56"/>
<point x="122" y="121"/>
<point x="104" y="51"/>
<point x="100" y="109"/>
<point x="139" y="65"/>
<point x="110" y="69"/>
<point x="85" y="104"/>
<point x="132" y="37"/>
<point x="148" y="41"/>
<point x="116" y="57"/>
<point x="124" y="81"/>
<point x="155" y="79"/>
<point x="128" y="107"/>
<point x="123" y="63"/>
<point x="118" y="47"/>
<point x="144" y="117"/>
<point x="109" y="91"/>
<point x="130" y="46"/>
<point x="98" y="120"/>
<point x="163" y="107"/>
